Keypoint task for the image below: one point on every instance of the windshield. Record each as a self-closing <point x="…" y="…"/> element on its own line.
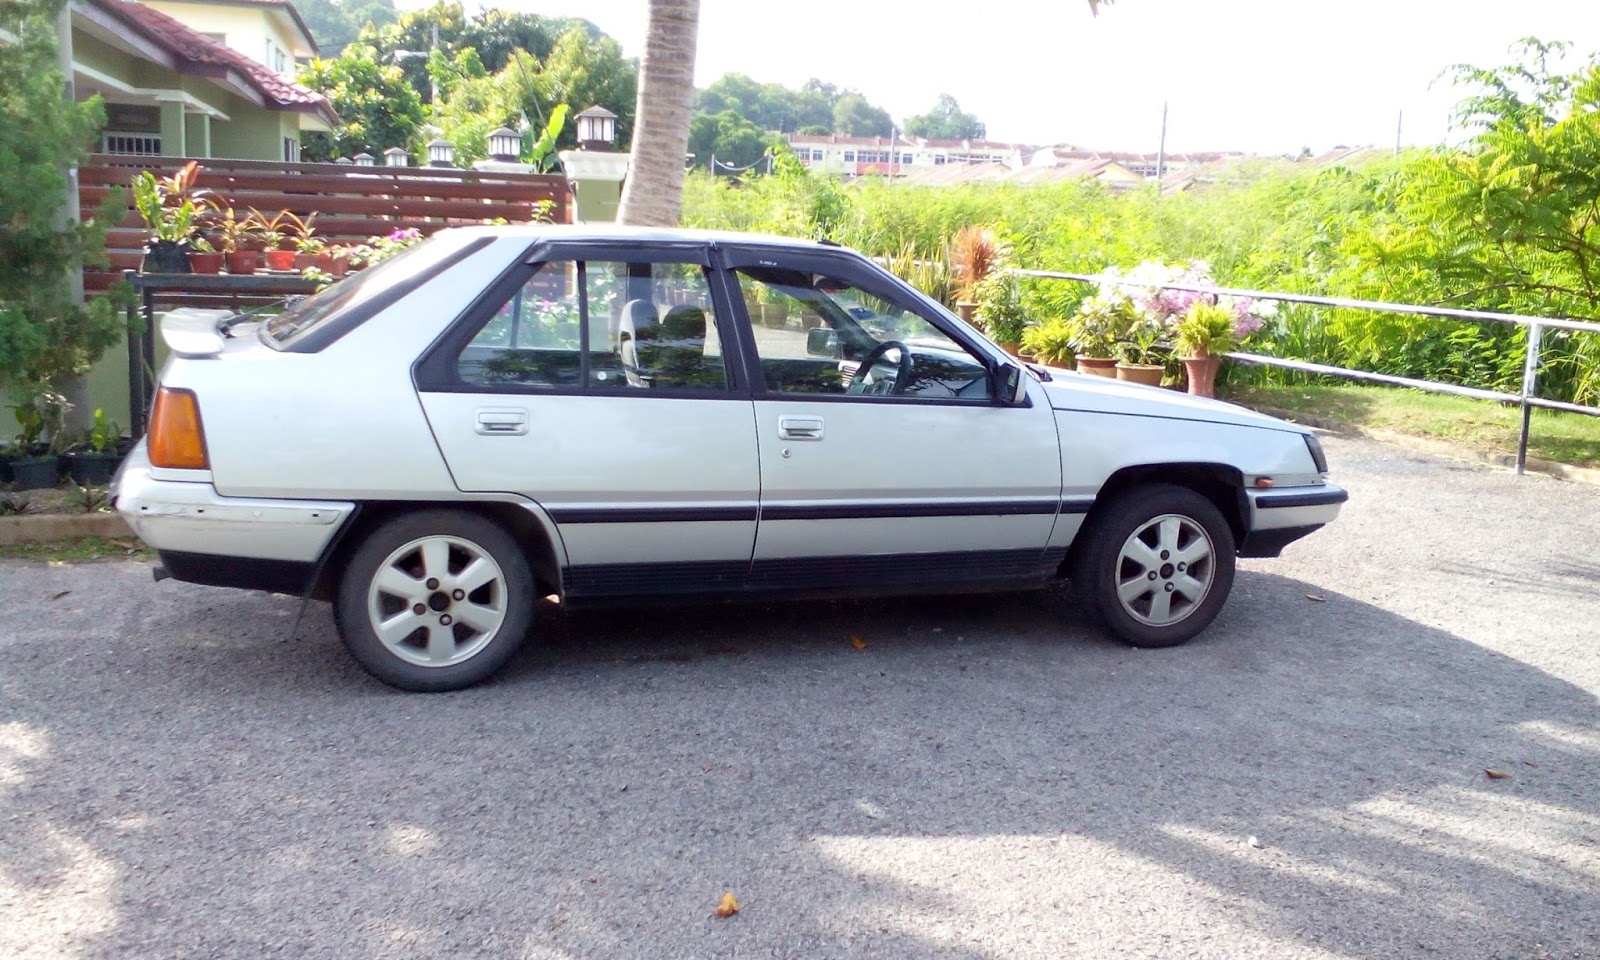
<point x="362" y="287"/>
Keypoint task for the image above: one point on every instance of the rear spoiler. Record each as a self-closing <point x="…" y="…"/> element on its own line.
<point x="193" y="333"/>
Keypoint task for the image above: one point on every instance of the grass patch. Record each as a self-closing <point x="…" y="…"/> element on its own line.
<point x="78" y="550"/>
<point x="1480" y="424"/>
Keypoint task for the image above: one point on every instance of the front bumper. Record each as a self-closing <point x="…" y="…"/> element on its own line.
<point x="1280" y="517"/>
<point x="189" y="518"/>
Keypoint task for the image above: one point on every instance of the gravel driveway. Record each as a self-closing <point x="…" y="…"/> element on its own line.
<point x="987" y="778"/>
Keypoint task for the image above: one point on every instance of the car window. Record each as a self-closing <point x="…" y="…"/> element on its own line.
<point x="813" y="333"/>
<point x="409" y="267"/>
<point x="601" y="326"/>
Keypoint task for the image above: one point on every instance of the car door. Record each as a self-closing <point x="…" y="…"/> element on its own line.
<point x="872" y="481"/>
<point x="592" y="380"/>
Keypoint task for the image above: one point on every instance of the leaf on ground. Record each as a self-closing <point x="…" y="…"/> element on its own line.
<point x="728" y="906"/>
<point x="60" y="595"/>
<point x="1497" y="774"/>
<point x="1530" y="763"/>
<point x="857" y="642"/>
<point x="1312" y="596"/>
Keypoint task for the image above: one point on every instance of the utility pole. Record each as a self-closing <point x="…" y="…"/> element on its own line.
<point x="1399" y="127"/>
<point x="1161" y="154"/>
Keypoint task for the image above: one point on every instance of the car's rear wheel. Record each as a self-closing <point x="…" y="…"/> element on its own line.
<point x="1156" y="566"/>
<point x="435" y="600"/>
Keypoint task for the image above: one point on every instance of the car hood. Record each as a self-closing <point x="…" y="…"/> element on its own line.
<point x="1077" y="391"/>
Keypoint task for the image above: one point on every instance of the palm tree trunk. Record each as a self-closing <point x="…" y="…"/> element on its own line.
<point x="653" y="194"/>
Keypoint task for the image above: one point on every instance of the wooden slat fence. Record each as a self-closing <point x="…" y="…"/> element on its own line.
<point x="351" y="203"/>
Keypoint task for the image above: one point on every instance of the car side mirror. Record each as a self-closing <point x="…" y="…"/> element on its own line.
<point x="1009" y="385"/>
<point x="822" y="342"/>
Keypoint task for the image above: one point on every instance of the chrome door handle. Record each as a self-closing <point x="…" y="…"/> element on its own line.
<point x="800" y="428"/>
<point x="502" y="422"/>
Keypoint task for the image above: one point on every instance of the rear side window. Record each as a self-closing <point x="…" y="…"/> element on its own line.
<point x="314" y="322"/>
<point x="600" y="326"/>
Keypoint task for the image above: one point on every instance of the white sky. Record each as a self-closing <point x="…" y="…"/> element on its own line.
<point x="1256" y="75"/>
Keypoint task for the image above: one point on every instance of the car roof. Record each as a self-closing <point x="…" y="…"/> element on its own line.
<point x="614" y="232"/>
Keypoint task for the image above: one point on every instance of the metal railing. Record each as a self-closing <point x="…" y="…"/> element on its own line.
<point x="1525" y="398"/>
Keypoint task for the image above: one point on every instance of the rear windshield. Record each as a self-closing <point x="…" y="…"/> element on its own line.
<point x="375" y="285"/>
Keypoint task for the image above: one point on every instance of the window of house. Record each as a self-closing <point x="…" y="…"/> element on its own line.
<point x="650" y="326"/>
<point x="849" y="156"/>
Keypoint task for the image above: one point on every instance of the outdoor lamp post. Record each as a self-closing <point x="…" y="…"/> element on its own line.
<point x="597" y="129"/>
<point x="365" y="159"/>
<point x="505" y="144"/>
<point x="396" y="157"/>
<point x="344" y="160"/>
<point x="441" y="153"/>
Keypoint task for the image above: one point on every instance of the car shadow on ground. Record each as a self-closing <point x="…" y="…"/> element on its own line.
<point x="978" y="777"/>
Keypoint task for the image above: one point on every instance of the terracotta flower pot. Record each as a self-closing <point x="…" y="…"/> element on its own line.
<point x="1097" y="366"/>
<point x="280" y="259"/>
<point x="243" y="262"/>
<point x="1202" y="371"/>
<point x="966" y="311"/>
<point x="1148" y="374"/>
<point x="1011" y="347"/>
<point x="205" y="262"/>
<point x="339" y="266"/>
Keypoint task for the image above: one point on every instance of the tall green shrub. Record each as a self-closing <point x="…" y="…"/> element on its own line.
<point x="45" y="337"/>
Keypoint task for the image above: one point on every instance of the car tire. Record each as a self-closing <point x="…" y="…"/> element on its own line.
<point x="1156" y="565"/>
<point x="435" y="600"/>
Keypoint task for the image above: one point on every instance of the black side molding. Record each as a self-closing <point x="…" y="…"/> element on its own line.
<point x="1320" y="498"/>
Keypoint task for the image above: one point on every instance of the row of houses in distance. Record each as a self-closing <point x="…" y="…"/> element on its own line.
<point x="924" y="162"/>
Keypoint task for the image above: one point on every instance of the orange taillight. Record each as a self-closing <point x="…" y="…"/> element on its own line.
<point x="177" y="440"/>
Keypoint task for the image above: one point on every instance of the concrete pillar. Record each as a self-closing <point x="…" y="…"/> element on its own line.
<point x="198" y="133"/>
<point x="173" y="141"/>
<point x="596" y="178"/>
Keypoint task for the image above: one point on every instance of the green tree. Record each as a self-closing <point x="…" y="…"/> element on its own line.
<point x="728" y="136"/>
<point x="335" y="23"/>
<point x="379" y="108"/>
<point x="585" y="71"/>
<point x="945" y="121"/>
<point x="853" y="116"/>
<point x="45" y="336"/>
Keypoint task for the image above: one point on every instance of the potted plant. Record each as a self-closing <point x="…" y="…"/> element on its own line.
<point x="1049" y="343"/>
<point x="95" y="465"/>
<point x="1095" y="329"/>
<point x="239" y="239"/>
<point x="172" y="212"/>
<point x="999" y="311"/>
<point x="39" y="466"/>
<point x="281" y="230"/>
<point x="1141" y="354"/>
<point x="203" y="257"/>
<point x="773" y="306"/>
<point x="1208" y="330"/>
<point x="974" y="253"/>
<point x="339" y="258"/>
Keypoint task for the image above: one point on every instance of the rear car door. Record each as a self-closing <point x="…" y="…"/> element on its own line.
<point x="592" y="380"/>
<point x="903" y="474"/>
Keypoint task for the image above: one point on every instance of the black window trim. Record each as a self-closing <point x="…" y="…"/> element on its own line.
<point x="842" y="264"/>
<point x="435" y="371"/>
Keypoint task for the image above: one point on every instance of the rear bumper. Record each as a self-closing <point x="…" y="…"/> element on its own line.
<point x="186" y="520"/>
<point x="1280" y="517"/>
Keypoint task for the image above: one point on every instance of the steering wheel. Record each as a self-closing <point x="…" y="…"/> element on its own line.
<point x="902" y="374"/>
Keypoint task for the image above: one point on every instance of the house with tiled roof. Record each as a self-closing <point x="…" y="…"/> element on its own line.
<point x="186" y="78"/>
<point x="899" y="155"/>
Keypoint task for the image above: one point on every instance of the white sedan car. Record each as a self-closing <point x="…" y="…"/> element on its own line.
<point x="505" y="413"/>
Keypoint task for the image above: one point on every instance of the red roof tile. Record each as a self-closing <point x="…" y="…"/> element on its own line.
<point x="208" y="57"/>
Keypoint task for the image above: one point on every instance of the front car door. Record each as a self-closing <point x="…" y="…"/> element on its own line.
<point x="886" y="462"/>
<point x="592" y="381"/>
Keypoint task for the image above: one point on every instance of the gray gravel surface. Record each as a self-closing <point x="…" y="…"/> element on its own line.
<point x="988" y="778"/>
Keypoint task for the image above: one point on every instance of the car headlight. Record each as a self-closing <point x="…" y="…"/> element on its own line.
<point x="1317" y="456"/>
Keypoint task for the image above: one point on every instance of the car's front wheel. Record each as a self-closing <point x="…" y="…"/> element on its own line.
<point x="435" y="600"/>
<point x="1156" y="565"/>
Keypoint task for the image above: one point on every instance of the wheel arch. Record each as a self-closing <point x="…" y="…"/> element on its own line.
<point x="533" y="532"/>
<point x="1220" y="483"/>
